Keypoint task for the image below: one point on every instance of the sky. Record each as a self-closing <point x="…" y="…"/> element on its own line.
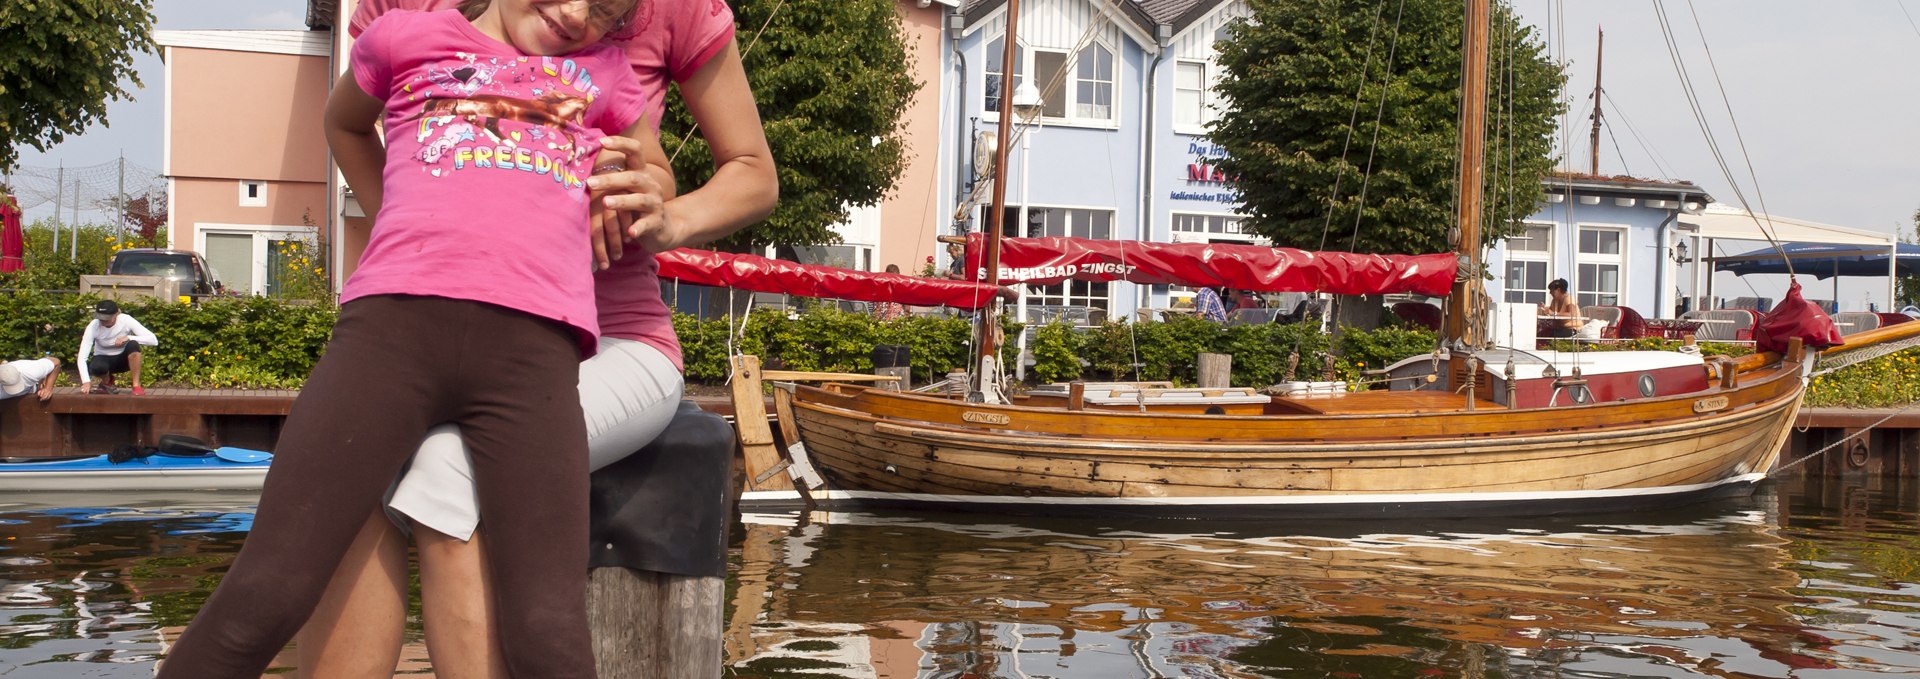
<point x="1822" y="91"/>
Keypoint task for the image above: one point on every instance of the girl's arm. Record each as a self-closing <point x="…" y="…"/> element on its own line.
<point x="744" y="186"/>
<point x="355" y="142"/>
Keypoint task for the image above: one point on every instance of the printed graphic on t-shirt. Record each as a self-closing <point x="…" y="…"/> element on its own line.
<point x="542" y="100"/>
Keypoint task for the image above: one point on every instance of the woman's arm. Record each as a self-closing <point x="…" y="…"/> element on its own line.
<point x="744" y="186"/>
<point x="629" y="202"/>
<point x="355" y="142"/>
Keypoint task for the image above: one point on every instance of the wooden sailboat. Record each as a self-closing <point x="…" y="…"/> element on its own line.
<point x="1489" y="432"/>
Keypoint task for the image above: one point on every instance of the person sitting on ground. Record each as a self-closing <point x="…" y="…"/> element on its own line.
<point x="1206" y="304"/>
<point x="110" y="345"/>
<point x="1565" y="314"/>
<point x="37" y="375"/>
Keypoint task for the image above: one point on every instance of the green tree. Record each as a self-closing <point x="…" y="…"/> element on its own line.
<point x="1908" y="287"/>
<point x="833" y="80"/>
<point x="1296" y="65"/>
<point x="60" y="62"/>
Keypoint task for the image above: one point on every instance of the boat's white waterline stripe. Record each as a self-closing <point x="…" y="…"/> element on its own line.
<point x="1225" y="500"/>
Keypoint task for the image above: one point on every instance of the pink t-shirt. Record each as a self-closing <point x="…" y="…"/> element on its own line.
<point x="488" y="151"/>
<point x="666" y="39"/>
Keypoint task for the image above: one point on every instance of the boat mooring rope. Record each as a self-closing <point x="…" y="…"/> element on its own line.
<point x="1842" y="441"/>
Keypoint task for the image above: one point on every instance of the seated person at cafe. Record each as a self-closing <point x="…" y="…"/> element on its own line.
<point x="1207" y="305"/>
<point x="1241" y="299"/>
<point x="1561" y="317"/>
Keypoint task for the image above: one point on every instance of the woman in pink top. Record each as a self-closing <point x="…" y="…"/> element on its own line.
<point x="473" y="304"/>
<point x="357" y="632"/>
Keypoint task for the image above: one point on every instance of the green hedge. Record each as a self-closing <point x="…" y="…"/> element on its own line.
<point x="260" y="342"/>
<point x="224" y="342"/>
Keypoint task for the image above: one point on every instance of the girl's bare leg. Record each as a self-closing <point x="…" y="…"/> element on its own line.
<point x="456" y="599"/>
<point x="356" y="631"/>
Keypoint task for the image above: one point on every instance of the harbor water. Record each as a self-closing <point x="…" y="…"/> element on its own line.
<point x="1806" y="578"/>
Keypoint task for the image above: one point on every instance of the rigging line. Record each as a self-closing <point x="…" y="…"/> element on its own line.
<point x="1020" y="128"/>
<point x="1902" y="4"/>
<point x="1113" y="185"/>
<point x="1652" y="154"/>
<point x="1353" y="118"/>
<point x="1618" y="152"/>
<point x="695" y="129"/>
<point x="1739" y="139"/>
<point x="1809" y="456"/>
<point x="1373" y="145"/>
<point x="1699" y="116"/>
<point x="1346" y="144"/>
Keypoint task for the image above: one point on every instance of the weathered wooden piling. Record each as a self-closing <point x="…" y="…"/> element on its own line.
<point x="649" y="625"/>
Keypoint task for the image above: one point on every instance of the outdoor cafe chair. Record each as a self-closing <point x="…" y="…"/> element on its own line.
<point x="1850" y="322"/>
<point x="1724" y="325"/>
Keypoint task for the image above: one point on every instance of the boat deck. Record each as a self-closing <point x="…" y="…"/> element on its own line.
<point x="1374" y="402"/>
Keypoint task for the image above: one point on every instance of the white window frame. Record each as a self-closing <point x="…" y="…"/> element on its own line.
<point x="1062" y="293"/>
<point x="1532" y="256"/>
<point x="1580" y="293"/>
<point x="259" y="197"/>
<point x="1208" y="75"/>
<point x="262" y="234"/>
<point x="1024" y="64"/>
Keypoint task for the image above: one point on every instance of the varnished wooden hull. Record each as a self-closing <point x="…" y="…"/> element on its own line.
<point x="879" y="447"/>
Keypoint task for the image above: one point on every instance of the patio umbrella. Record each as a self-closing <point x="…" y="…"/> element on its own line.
<point x="1823" y="260"/>
<point x="12" y="245"/>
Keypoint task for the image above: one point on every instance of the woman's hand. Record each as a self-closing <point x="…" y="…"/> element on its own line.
<point x="628" y="203"/>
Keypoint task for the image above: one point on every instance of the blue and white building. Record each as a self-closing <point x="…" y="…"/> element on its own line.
<point x="1119" y="150"/>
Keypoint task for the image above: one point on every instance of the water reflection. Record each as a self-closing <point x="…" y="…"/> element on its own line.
<point x="1813" y="579"/>
<point x="1718" y="590"/>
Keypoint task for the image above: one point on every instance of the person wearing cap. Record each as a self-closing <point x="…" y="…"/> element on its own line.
<point x="111" y="344"/>
<point x="19" y="377"/>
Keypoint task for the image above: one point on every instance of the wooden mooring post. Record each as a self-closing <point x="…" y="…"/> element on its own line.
<point x="649" y="625"/>
<point x="1216" y="370"/>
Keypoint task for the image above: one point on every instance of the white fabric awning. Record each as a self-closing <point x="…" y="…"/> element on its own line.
<point x="1728" y="222"/>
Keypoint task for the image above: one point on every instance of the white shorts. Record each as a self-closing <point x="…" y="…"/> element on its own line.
<point x="629" y="391"/>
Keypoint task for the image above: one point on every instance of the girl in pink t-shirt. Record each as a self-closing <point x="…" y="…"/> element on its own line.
<point x="629" y="389"/>
<point x="472" y="304"/>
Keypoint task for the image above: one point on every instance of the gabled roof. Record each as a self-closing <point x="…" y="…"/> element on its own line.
<point x="1133" y="18"/>
<point x="1558" y="182"/>
<point x="1178" y="13"/>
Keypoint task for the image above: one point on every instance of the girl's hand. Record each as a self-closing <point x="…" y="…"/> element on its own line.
<point x="628" y="204"/>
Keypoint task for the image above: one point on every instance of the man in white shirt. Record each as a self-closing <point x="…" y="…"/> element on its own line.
<point x="111" y="344"/>
<point x="19" y="377"/>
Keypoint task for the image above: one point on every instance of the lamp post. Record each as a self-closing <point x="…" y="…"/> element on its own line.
<point x="1026" y="105"/>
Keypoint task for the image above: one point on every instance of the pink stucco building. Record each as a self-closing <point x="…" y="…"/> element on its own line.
<point x="245" y="163"/>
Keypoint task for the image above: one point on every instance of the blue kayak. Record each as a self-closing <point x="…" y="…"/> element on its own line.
<point x="225" y="468"/>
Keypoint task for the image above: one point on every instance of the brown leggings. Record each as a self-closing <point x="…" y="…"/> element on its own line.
<point x="395" y="367"/>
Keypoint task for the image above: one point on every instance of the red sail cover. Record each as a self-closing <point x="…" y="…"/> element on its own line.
<point x="1795" y="317"/>
<point x="760" y="274"/>
<point x="1245" y="267"/>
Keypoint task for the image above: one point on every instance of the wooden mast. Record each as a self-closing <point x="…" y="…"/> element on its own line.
<point x="1599" y="53"/>
<point x="989" y="318"/>
<point x="1463" y="309"/>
